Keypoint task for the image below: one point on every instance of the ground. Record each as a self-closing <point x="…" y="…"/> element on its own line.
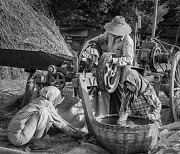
<point x="11" y="92"/>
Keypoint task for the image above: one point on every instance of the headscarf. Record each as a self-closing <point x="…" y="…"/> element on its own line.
<point x="51" y="93"/>
<point x="50" y="96"/>
<point x="142" y="86"/>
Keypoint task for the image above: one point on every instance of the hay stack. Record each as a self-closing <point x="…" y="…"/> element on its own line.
<point x="23" y="28"/>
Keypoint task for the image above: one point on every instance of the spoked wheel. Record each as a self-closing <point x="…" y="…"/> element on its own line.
<point x="88" y="60"/>
<point x="89" y="56"/>
<point x="175" y="87"/>
<point x="58" y="80"/>
<point x="108" y="74"/>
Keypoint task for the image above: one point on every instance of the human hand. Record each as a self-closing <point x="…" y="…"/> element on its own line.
<point x="119" y="61"/>
<point x="114" y="60"/>
<point x="152" y="117"/>
<point x="123" y="116"/>
<point x="73" y="132"/>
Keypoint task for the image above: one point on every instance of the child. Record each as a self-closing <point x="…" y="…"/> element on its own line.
<point x="140" y="98"/>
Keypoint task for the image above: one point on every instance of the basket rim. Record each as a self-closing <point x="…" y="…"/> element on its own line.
<point x="98" y="119"/>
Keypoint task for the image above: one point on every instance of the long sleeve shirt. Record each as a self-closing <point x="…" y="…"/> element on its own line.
<point x="146" y="106"/>
<point x="122" y="46"/>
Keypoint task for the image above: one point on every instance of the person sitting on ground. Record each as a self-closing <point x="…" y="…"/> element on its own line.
<point x="34" y="120"/>
<point x="140" y="99"/>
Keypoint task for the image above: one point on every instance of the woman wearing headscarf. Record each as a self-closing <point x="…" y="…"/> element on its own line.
<point x="140" y="98"/>
<point x="117" y="39"/>
<point x="34" y="120"/>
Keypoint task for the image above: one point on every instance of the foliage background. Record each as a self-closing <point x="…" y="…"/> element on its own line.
<point x="36" y="26"/>
<point x="23" y="28"/>
<point x="97" y="13"/>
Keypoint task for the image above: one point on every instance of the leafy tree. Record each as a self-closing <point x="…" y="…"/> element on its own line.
<point x="74" y="13"/>
<point x="97" y="13"/>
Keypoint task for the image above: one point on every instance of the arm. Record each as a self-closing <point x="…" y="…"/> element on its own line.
<point x="62" y="124"/>
<point x="155" y="114"/>
<point x="68" y="129"/>
<point x="127" y="56"/>
<point x="65" y="126"/>
<point x="100" y="38"/>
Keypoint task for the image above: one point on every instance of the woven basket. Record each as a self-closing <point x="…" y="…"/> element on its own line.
<point x="141" y="137"/>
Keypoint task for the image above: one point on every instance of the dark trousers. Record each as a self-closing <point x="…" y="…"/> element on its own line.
<point x="115" y="100"/>
<point x="118" y="95"/>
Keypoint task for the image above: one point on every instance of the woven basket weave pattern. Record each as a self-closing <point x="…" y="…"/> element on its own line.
<point x="124" y="140"/>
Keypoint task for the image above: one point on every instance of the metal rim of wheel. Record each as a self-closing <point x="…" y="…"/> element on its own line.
<point x="174" y="84"/>
<point x="58" y="80"/>
<point x="108" y="74"/>
<point x="92" y="46"/>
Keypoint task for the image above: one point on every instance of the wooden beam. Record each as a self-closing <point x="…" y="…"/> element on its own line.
<point x="83" y="81"/>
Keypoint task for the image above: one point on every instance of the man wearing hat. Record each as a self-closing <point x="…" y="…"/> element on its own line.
<point x="116" y="39"/>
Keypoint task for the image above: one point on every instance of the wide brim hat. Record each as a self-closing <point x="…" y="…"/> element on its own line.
<point x="118" y="27"/>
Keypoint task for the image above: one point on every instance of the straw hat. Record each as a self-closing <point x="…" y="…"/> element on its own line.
<point x="118" y="27"/>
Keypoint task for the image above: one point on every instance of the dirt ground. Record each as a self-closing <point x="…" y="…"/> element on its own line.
<point x="11" y="92"/>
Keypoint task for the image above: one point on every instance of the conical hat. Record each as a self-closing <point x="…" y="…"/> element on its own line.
<point x="118" y="27"/>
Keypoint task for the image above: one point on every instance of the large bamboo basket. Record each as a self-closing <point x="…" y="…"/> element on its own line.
<point x="140" y="138"/>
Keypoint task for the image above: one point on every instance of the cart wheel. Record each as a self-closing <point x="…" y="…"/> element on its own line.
<point x="108" y="74"/>
<point x="58" y="80"/>
<point x="89" y="56"/>
<point x="175" y="86"/>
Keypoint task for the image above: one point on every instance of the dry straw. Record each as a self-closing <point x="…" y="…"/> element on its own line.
<point x="21" y="27"/>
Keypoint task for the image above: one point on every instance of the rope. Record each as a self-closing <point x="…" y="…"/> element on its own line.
<point x="160" y="42"/>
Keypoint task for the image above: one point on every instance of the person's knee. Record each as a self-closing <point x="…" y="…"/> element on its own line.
<point x="43" y="125"/>
<point x="17" y="139"/>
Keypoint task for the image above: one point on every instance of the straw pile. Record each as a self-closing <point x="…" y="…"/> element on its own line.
<point x="21" y="27"/>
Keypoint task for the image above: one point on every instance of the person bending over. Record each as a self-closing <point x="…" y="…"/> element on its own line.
<point x="34" y="120"/>
<point x="140" y="99"/>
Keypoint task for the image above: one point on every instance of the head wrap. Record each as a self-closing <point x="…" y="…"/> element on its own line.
<point x="51" y="93"/>
<point x="141" y="84"/>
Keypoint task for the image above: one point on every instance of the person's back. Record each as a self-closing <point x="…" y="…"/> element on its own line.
<point x="34" y="120"/>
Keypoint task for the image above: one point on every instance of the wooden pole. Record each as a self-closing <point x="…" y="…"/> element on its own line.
<point x="83" y="82"/>
<point x="11" y="151"/>
<point x="155" y="18"/>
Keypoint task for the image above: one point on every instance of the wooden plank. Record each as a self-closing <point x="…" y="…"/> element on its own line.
<point x="30" y="59"/>
<point x="10" y="151"/>
<point x="90" y="80"/>
<point x="83" y="81"/>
